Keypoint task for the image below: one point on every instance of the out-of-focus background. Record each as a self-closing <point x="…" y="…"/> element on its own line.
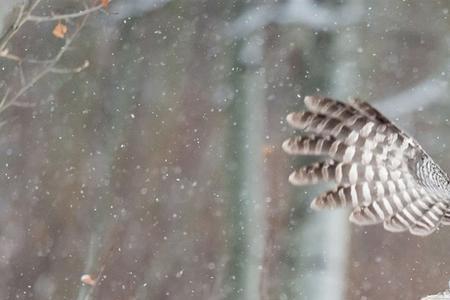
<point x="158" y="171"/>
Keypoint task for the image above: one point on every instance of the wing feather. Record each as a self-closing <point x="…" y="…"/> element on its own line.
<point x="373" y="163"/>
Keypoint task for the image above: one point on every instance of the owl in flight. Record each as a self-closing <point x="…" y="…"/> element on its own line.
<point x="379" y="170"/>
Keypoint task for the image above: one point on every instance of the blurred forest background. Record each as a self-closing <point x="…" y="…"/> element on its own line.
<point x="157" y="169"/>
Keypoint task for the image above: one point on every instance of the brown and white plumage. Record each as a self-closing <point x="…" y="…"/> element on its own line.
<point x="380" y="171"/>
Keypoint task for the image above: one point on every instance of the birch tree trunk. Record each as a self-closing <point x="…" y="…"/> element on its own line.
<point x="325" y="235"/>
<point x="248" y="180"/>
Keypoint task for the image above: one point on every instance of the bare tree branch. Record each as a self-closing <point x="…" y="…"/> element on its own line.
<point x="25" y="15"/>
<point x="44" y="67"/>
<point x="13" y="101"/>
<point x="71" y="70"/>
<point x="21" y="19"/>
<point x="82" y="13"/>
<point x="7" y="55"/>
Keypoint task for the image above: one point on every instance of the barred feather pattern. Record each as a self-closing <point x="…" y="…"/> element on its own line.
<point x="379" y="170"/>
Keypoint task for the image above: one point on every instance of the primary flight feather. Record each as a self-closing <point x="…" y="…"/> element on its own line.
<point x="380" y="171"/>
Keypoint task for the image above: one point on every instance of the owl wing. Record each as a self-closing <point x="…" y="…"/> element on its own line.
<point x="378" y="168"/>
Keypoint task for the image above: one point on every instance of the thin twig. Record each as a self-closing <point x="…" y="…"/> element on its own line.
<point x="36" y="61"/>
<point x="9" y="56"/>
<point x="33" y="6"/>
<point x="21" y="19"/>
<point x="50" y="66"/>
<point x="19" y="16"/>
<point x="70" y="70"/>
<point x="26" y="16"/>
<point x="5" y="96"/>
<point x="82" y="13"/>
<point x="21" y="74"/>
<point x="105" y="259"/>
